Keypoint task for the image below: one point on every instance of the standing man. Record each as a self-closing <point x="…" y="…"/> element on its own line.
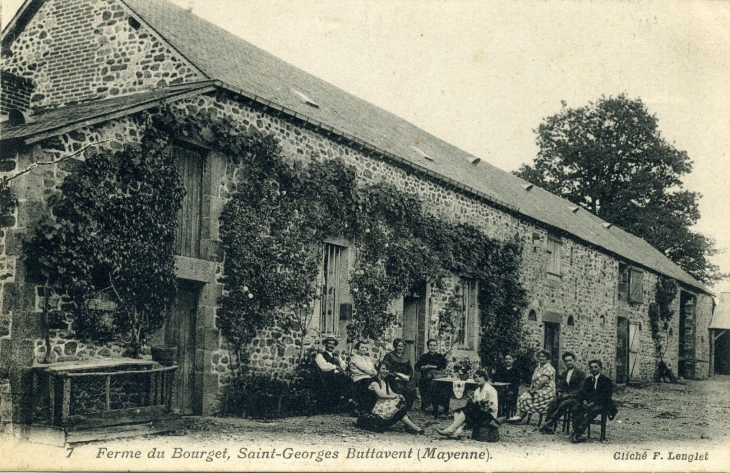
<point x="595" y="398"/>
<point x="429" y="364"/>
<point x="332" y="369"/>
<point x="570" y="383"/>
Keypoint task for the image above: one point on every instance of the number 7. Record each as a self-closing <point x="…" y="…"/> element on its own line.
<point x="70" y="451"/>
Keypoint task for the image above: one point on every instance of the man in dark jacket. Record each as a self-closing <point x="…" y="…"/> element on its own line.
<point x="595" y="399"/>
<point x="570" y="383"/>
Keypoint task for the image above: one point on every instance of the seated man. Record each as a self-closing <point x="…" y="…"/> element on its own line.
<point x="595" y="399"/>
<point x="570" y="382"/>
<point x="429" y="364"/>
<point x="335" y="382"/>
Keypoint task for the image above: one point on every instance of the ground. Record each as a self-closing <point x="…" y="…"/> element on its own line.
<point x="668" y="422"/>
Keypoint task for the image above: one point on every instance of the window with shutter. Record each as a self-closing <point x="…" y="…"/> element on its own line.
<point x="636" y="286"/>
<point x="468" y="334"/>
<point x="189" y="162"/>
<point x="332" y="274"/>
<point x="555" y="255"/>
<point x="623" y="282"/>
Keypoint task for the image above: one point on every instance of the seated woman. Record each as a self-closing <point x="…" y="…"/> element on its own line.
<point x="362" y="370"/>
<point x="429" y="364"/>
<point x="542" y="390"/>
<point x="401" y="369"/>
<point x="382" y="407"/>
<point x="508" y="373"/>
<point x="480" y="409"/>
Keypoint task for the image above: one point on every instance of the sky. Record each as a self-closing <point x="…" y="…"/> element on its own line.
<point x="483" y="74"/>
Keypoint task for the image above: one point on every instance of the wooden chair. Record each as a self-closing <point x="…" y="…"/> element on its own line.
<point x="602" y="423"/>
<point x="539" y="421"/>
<point x="567" y="418"/>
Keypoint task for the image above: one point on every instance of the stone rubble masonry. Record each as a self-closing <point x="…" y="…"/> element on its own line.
<point x="586" y="289"/>
<point x="80" y="50"/>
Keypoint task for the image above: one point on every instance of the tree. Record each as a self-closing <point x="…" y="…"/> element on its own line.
<point x="113" y="231"/>
<point x="610" y="158"/>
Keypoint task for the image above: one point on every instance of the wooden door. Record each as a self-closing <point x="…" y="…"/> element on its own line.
<point x="552" y="342"/>
<point x="622" y="349"/>
<point x="634" y="372"/>
<point x="414" y="323"/>
<point x="180" y="331"/>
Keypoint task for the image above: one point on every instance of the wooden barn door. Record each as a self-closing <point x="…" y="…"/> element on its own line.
<point x="180" y="331"/>
<point x="634" y="372"/>
<point x="622" y="349"/>
<point x="414" y="323"/>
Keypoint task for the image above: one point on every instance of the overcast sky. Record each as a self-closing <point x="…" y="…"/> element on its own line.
<point x="482" y="75"/>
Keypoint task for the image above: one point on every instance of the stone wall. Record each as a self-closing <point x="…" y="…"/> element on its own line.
<point x="79" y="50"/>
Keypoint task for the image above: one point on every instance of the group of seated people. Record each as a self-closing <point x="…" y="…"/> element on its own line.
<point x="385" y="391"/>
<point x="584" y="397"/>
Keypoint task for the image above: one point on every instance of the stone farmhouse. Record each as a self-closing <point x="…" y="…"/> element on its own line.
<point x="79" y="72"/>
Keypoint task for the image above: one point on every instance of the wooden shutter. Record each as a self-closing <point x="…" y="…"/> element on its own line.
<point x="636" y="286"/>
<point x="189" y="163"/>
<point x="555" y="256"/>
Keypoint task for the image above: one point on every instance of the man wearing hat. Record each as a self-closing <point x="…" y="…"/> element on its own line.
<point x="332" y="368"/>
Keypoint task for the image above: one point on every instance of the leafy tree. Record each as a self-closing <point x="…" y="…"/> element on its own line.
<point x="610" y="157"/>
<point x="113" y="231"/>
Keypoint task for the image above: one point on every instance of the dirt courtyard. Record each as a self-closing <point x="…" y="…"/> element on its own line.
<point x="675" y="427"/>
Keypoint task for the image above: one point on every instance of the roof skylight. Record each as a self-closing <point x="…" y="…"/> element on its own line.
<point x="304" y="98"/>
<point x="421" y="153"/>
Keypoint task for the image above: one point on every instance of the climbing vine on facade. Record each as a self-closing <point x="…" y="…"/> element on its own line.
<point x="112" y="236"/>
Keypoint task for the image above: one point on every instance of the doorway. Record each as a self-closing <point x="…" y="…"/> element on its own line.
<point x="622" y="349"/>
<point x="552" y="342"/>
<point x="414" y="322"/>
<point x="633" y="367"/>
<point x="180" y="331"/>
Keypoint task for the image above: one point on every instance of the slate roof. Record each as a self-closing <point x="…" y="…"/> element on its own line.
<point x="55" y="121"/>
<point x="251" y="71"/>
<point x="721" y="316"/>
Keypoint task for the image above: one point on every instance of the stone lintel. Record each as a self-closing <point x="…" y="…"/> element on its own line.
<point x="194" y="269"/>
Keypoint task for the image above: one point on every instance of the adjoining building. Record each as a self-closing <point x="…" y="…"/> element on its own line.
<point x="81" y="72"/>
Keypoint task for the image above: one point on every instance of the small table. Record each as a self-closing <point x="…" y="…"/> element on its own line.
<point x="443" y="388"/>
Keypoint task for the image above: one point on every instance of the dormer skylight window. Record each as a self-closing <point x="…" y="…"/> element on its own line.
<point x="527" y="187"/>
<point x="607" y="225"/>
<point x="476" y="161"/>
<point x="421" y="153"/>
<point x="573" y="209"/>
<point x="304" y="98"/>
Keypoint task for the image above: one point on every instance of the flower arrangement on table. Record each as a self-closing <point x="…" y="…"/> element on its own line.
<point x="465" y="367"/>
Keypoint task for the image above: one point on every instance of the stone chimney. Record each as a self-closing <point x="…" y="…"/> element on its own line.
<point x="15" y="92"/>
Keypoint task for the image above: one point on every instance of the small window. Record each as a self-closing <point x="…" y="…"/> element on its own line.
<point x="555" y="254"/>
<point x="636" y="285"/>
<point x="571" y="321"/>
<point x="602" y="321"/>
<point x="532" y="315"/>
<point x="623" y="282"/>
